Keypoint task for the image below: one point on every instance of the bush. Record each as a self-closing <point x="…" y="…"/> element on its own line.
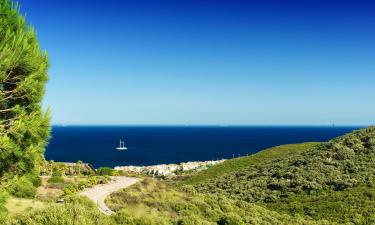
<point x="56" y="180"/>
<point x="34" y="178"/>
<point x="80" y="200"/>
<point x="189" y="220"/>
<point x="70" y="189"/>
<point x="87" y="172"/>
<point x="22" y="188"/>
<point x="57" y="173"/>
<point x="231" y="219"/>
<point x="3" y="211"/>
<point x="118" y="173"/>
<point x="124" y="218"/>
<point x="105" y="171"/>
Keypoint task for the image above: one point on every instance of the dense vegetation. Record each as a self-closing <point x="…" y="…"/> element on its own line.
<point x="355" y="205"/>
<point x="236" y="164"/>
<point x="296" y="184"/>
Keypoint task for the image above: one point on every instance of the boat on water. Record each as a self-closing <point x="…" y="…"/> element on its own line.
<point x="121" y="146"/>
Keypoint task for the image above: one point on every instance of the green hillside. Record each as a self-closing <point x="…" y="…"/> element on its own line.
<point x="333" y="177"/>
<point x="243" y="162"/>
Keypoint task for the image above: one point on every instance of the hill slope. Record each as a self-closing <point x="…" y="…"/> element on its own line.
<point x="344" y="166"/>
<point x="236" y="164"/>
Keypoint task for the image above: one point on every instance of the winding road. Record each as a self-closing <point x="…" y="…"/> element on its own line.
<point x="100" y="192"/>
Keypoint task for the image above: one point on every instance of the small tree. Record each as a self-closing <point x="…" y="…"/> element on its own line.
<point x="105" y="171"/>
<point x="64" y="169"/>
<point x="24" y="128"/>
<point x="79" y="164"/>
<point x="51" y="165"/>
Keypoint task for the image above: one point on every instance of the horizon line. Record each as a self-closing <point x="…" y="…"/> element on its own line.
<point x="222" y="125"/>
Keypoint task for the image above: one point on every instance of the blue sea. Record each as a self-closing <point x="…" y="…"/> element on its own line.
<point x="150" y="145"/>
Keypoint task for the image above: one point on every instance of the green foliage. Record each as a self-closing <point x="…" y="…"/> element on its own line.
<point x="354" y="205"/>
<point x="128" y="219"/>
<point x="22" y="188"/>
<point x="34" y="178"/>
<point x="231" y="219"/>
<point x="70" y="189"/>
<point x="105" y="171"/>
<point x="300" y="182"/>
<point x="56" y="180"/>
<point x="24" y="128"/>
<point x="234" y="165"/>
<point x="3" y="198"/>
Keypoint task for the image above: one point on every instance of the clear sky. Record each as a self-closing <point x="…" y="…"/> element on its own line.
<point x="208" y="62"/>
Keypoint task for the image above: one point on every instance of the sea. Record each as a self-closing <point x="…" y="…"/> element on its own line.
<point x="152" y="145"/>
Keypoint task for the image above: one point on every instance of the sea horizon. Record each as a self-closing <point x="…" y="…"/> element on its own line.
<point x="211" y="125"/>
<point x="153" y="145"/>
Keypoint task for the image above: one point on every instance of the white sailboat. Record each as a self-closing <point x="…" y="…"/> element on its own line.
<point x="121" y="146"/>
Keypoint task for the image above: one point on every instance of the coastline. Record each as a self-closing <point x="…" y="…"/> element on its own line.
<point x="169" y="169"/>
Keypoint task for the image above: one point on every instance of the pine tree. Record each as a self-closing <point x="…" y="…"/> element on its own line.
<point x="24" y="128"/>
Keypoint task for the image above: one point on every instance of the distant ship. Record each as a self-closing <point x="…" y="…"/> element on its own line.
<point x="121" y="146"/>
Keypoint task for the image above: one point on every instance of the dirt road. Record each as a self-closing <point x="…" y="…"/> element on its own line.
<point x="100" y="192"/>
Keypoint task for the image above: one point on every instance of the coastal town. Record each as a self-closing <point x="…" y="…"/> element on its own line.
<point x="168" y="169"/>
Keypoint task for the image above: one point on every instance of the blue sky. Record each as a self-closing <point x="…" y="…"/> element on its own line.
<point x="208" y="62"/>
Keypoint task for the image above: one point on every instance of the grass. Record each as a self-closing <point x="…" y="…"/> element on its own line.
<point x="20" y="205"/>
<point x="234" y="165"/>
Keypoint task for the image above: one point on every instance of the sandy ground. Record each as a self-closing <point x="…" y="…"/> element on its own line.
<point x="100" y="192"/>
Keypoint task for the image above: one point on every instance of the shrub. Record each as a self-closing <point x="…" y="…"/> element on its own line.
<point x="22" y="188"/>
<point x="80" y="200"/>
<point x="34" y="178"/>
<point x="70" y="189"/>
<point x="189" y="220"/>
<point x="57" y="173"/>
<point x="124" y="218"/>
<point x="3" y="211"/>
<point x="105" y="171"/>
<point x="56" y="180"/>
<point x="231" y="219"/>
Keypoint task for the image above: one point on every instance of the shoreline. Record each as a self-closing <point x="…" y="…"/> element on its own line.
<point x="169" y="169"/>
